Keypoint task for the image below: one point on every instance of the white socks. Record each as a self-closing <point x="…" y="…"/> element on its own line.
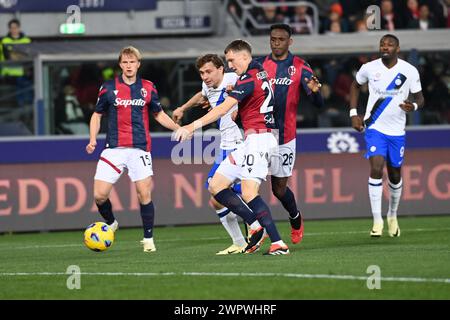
<point x="231" y="225"/>
<point x="395" y="191"/>
<point x="375" y="195"/>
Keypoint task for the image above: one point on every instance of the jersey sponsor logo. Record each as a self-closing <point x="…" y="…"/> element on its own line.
<point x="127" y="102"/>
<point x="388" y="93"/>
<point x="269" y="119"/>
<point x="281" y="81"/>
<point x="261" y="75"/>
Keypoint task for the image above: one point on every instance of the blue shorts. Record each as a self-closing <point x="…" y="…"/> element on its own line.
<point x="219" y="158"/>
<point x="392" y="148"/>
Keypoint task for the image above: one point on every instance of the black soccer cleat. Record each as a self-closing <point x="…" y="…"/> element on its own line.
<point x="256" y="238"/>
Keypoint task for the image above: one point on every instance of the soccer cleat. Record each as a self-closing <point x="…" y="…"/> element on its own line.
<point x="256" y="239"/>
<point x="114" y="226"/>
<point x="233" y="249"/>
<point x="394" y="229"/>
<point x="249" y="233"/>
<point x="377" y="230"/>
<point x="149" y="245"/>
<point x="297" y="234"/>
<point x="276" y="249"/>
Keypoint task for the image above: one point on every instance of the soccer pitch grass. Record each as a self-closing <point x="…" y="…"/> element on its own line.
<point x="330" y="263"/>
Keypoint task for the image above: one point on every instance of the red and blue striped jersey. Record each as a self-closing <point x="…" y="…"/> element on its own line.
<point x="287" y="78"/>
<point x="127" y="108"/>
<point x="254" y="94"/>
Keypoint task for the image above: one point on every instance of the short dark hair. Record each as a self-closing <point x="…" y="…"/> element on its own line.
<point x="16" y="21"/>
<point x="238" y="45"/>
<point x="282" y="26"/>
<point x="392" y="37"/>
<point x="213" y="58"/>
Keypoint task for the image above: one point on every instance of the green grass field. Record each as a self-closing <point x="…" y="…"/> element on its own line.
<point x="330" y="263"/>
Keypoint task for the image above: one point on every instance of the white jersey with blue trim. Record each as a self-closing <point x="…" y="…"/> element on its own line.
<point x="230" y="135"/>
<point x="388" y="88"/>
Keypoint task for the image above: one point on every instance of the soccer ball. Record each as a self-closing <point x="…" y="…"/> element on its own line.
<point x="98" y="236"/>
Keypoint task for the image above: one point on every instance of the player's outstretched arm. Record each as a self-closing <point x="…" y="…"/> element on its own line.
<point x="197" y="99"/>
<point x="357" y="123"/>
<point x="166" y="121"/>
<point x="219" y="111"/>
<point x="409" y="106"/>
<point x="94" y="128"/>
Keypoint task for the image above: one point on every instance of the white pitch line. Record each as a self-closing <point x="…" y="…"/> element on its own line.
<point x="307" y="234"/>
<point x="231" y="274"/>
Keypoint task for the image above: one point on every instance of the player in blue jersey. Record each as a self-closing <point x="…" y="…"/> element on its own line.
<point x="390" y="81"/>
<point x="214" y="91"/>
<point x="250" y="162"/>
<point x="291" y="78"/>
<point x="127" y="100"/>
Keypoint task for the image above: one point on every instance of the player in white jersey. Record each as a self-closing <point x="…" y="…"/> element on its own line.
<point x="214" y="91"/>
<point x="390" y="80"/>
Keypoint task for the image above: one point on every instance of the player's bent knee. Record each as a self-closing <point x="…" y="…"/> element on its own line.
<point x="144" y="197"/>
<point x="100" y="198"/>
<point x="214" y="188"/>
<point x="249" y="195"/>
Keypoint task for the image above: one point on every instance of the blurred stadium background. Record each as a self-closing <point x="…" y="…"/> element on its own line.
<point x="46" y="103"/>
<point x="48" y="89"/>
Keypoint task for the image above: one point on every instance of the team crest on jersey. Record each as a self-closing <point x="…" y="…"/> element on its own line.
<point x="143" y="92"/>
<point x="261" y="75"/>
<point x="292" y="70"/>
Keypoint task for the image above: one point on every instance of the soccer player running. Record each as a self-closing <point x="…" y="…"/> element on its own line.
<point x="290" y="76"/>
<point x="390" y="81"/>
<point x="214" y="91"/>
<point x="127" y="101"/>
<point x="250" y="161"/>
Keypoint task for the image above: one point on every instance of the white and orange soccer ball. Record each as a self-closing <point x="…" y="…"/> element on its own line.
<point x="98" y="236"/>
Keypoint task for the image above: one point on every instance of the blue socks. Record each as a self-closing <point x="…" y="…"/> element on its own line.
<point x="105" y="210"/>
<point x="288" y="202"/>
<point x="262" y="211"/>
<point x="148" y="218"/>
<point x="232" y="201"/>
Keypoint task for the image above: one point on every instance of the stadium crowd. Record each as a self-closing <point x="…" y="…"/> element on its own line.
<point x="74" y="87"/>
<point x="348" y="15"/>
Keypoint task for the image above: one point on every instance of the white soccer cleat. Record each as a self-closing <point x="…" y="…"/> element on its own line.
<point x="114" y="226"/>
<point x="377" y="230"/>
<point x="149" y="245"/>
<point x="233" y="249"/>
<point x="394" y="229"/>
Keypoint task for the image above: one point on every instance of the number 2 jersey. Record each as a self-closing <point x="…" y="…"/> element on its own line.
<point x="287" y="78"/>
<point x="254" y="94"/>
<point x="388" y="88"/>
<point x="128" y="107"/>
<point x="229" y="131"/>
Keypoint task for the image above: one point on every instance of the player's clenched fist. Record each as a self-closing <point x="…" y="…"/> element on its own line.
<point x="91" y="147"/>
<point x="357" y="123"/>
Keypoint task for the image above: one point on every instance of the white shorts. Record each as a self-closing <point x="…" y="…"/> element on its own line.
<point x="113" y="162"/>
<point x="250" y="161"/>
<point x="283" y="165"/>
